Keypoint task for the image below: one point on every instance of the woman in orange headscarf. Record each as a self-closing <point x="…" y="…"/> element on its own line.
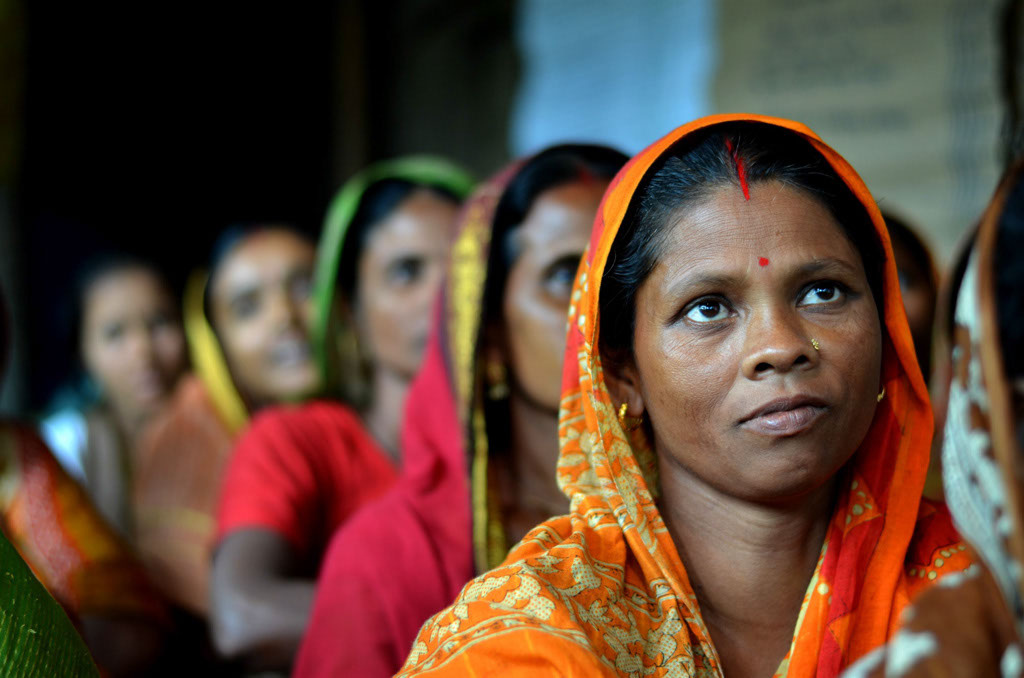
<point x="744" y="432"/>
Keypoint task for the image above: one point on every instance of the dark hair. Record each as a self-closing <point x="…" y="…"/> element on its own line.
<point x="377" y="202"/>
<point x="687" y="174"/>
<point x="902" y="235"/>
<point x="1009" y="272"/>
<point x="905" y="240"/>
<point x="551" y="168"/>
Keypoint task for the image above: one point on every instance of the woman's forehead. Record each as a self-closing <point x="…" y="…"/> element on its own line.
<point x="779" y="226"/>
<point x="559" y="214"/>
<point x="263" y="257"/>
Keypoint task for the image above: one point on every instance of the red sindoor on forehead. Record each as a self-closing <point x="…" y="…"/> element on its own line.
<point x="741" y="172"/>
<point x="763" y="261"/>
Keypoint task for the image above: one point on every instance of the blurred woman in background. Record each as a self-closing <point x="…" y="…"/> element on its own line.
<point x="132" y="349"/>
<point x="74" y="553"/>
<point x="299" y="472"/>
<point x="248" y="329"/>
<point x="484" y="407"/>
<point x="919" y="285"/>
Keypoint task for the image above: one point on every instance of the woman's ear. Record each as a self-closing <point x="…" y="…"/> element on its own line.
<point x="624" y="386"/>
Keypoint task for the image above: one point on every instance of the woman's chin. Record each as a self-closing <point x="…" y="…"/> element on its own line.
<point x="295" y="383"/>
<point x="781" y="478"/>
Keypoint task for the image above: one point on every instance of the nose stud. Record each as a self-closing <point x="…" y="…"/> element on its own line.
<point x="814" y="343"/>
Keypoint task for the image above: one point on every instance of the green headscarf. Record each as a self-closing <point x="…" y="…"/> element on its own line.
<point x="333" y="342"/>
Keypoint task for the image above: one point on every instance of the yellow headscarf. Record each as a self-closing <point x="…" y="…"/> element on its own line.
<point x="208" y="359"/>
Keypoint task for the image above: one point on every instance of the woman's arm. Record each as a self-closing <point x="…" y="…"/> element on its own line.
<point x="259" y="607"/>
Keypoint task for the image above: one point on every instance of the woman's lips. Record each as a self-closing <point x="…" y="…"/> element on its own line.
<point x="785" y="416"/>
<point x="291" y="354"/>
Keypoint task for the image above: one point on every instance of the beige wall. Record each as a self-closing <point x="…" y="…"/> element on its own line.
<point x="906" y="90"/>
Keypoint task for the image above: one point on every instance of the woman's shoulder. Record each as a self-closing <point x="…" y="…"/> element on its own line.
<point x="496" y="608"/>
<point x="189" y="424"/>
<point x="311" y="413"/>
<point x="318" y="433"/>
<point x="567" y="587"/>
<point x="309" y="424"/>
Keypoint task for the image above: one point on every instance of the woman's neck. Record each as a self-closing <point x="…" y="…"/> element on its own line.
<point x="749" y="564"/>
<point x="533" y="457"/>
<point x="383" y="416"/>
<point x="128" y="423"/>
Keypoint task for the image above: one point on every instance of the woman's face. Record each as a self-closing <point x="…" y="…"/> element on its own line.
<point x="261" y="307"/>
<point x="725" y="369"/>
<point x="549" y="244"/>
<point x="131" y="342"/>
<point x="399" y="273"/>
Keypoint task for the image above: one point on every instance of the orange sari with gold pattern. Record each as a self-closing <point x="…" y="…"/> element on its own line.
<point x="603" y="591"/>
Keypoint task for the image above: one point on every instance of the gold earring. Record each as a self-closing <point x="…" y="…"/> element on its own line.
<point x="814" y="343"/>
<point x="881" y="395"/>
<point x="634" y="422"/>
<point x="497" y="380"/>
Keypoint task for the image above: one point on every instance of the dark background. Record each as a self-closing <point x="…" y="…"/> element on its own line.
<point x="148" y="128"/>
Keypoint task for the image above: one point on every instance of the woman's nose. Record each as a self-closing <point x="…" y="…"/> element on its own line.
<point x="284" y="312"/>
<point x="776" y="343"/>
<point x="140" y="343"/>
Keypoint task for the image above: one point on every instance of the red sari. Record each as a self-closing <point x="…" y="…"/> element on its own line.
<point x="300" y="472"/>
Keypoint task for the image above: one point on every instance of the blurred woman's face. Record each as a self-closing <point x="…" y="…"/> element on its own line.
<point x="917" y="287"/>
<point x="399" y="274"/>
<point x="724" y="366"/>
<point x="261" y="307"/>
<point x="549" y="244"/>
<point x="132" y="342"/>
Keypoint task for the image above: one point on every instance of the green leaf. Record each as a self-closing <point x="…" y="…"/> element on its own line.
<point x="36" y="637"/>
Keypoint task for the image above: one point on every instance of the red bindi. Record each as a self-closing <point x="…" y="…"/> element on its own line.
<point x="763" y="261"/>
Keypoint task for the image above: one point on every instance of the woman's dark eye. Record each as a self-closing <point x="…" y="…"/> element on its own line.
<point x="559" y="276"/>
<point x="405" y="271"/>
<point x="245" y="306"/>
<point x="822" y="293"/>
<point x="113" y="332"/>
<point x="707" y="310"/>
